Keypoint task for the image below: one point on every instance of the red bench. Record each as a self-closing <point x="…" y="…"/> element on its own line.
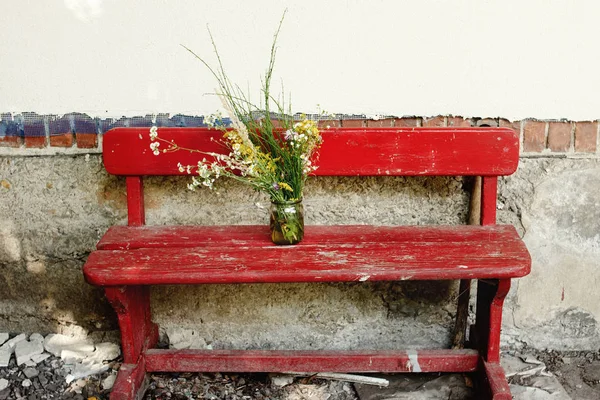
<point x="130" y="258"/>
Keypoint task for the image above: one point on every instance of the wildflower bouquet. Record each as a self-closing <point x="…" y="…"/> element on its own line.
<point x="270" y="151"/>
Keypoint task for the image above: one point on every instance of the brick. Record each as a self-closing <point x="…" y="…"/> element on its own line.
<point x="82" y="123"/>
<point x="163" y="119"/>
<point x="354" y="123"/>
<point x="35" y="142"/>
<point x="61" y="131"/>
<point x="114" y="123"/>
<point x="9" y="141"/>
<point x="434" y="121"/>
<point x="104" y="124"/>
<point x="140" y="121"/>
<point x="585" y="137"/>
<point x="406" y="122"/>
<point x="187" y="120"/>
<point x="514" y="125"/>
<point x="491" y="122"/>
<point x="62" y="140"/>
<point x="380" y="123"/>
<point x="86" y="130"/>
<point x="332" y="123"/>
<point x="34" y="130"/>
<point x="86" y="140"/>
<point x="9" y="136"/>
<point x="534" y="136"/>
<point x="459" y="122"/>
<point x="559" y="136"/>
<point x="277" y="124"/>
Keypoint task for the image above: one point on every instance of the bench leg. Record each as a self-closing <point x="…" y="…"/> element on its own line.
<point x="491" y="382"/>
<point x="130" y="383"/>
<point x="138" y="332"/>
<point x="488" y="322"/>
<point x="486" y="338"/>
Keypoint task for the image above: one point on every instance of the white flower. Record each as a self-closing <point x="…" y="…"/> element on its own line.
<point x="180" y="167"/>
<point x="289" y="134"/>
<point x="154" y="148"/>
<point x="153" y="133"/>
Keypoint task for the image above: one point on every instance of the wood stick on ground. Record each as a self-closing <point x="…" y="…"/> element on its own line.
<point x="365" y="380"/>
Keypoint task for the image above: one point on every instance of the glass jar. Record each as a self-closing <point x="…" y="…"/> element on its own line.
<point x="286" y="222"/>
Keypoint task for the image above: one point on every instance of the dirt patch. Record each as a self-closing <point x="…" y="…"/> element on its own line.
<point x="577" y="371"/>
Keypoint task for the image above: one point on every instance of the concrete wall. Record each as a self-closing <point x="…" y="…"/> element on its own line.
<point x="57" y="202"/>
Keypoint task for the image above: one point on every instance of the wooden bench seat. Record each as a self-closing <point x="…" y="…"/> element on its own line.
<point x="244" y="254"/>
<point x="129" y="259"/>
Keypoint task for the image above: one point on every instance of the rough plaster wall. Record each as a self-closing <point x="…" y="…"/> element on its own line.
<point x="557" y="305"/>
<point x="54" y="209"/>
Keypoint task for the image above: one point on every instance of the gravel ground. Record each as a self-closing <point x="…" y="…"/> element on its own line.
<point x="243" y="387"/>
<point x="578" y="372"/>
<point x="47" y="380"/>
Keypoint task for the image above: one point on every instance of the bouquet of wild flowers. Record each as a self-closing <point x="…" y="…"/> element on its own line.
<point x="272" y="155"/>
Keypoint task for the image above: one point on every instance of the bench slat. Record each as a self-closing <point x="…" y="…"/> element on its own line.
<point x="431" y="254"/>
<point x="366" y="151"/>
<point x="158" y="360"/>
<point x="134" y="237"/>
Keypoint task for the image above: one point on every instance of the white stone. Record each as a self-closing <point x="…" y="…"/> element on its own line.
<point x="76" y="386"/>
<point x="36" y="337"/>
<point x="25" y="349"/>
<point x="83" y="370"/>
<point x="180" y="338"/>
<point x="13" y="342"/>
<point x="26" y="383"/>
<point x="5" y="354"/>
<point x="104" y="352"/>
<point x="56" y="343"/>
<point x="108" y="383"/>
<point x="3" y="337"/>
<point x="280" y="380"/>
<point x="38" y="358"/>
<point x="72" y="356"/>
<point x="3" y="384"/>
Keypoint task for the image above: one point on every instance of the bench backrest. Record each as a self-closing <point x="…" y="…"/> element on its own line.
<point x="486" y="152"/>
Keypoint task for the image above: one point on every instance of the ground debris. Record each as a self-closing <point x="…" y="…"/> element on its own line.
<point x="44" y="376"/>
<point x="211" y="386"/>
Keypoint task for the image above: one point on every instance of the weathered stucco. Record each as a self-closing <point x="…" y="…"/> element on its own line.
<point x="557" y="305"/>
<point x="53" y="210"/>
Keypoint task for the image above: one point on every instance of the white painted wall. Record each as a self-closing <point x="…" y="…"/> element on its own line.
<point x="508" y="58"/>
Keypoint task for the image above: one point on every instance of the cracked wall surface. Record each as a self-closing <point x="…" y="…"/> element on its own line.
<point x="55" y="208"/>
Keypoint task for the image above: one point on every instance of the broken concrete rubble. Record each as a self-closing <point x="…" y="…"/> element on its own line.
<point x="181" y="338"/>
<point x="38" y="358"/>
<point x="104" y="352"/>
<point x="25" y="349"/>
<point x="10" y="344"/>
<point x="56" y="343"/>
<point x="85" y="369"/>
<point x="109" y="381"/>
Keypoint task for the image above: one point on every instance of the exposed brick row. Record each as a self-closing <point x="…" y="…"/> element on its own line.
<point x="79" y="130"/>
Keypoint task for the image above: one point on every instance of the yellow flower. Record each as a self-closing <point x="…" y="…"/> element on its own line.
<point x="285" y="186"/>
